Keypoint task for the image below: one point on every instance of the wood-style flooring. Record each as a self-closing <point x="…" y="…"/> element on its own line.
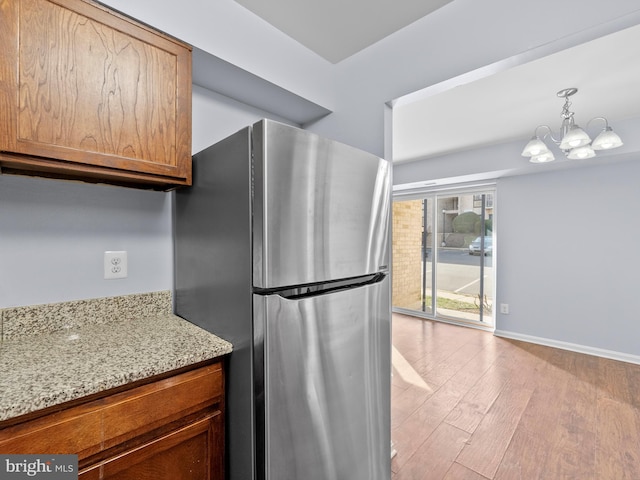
<point x="466" y="405"/>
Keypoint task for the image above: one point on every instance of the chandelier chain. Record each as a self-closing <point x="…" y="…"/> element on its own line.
<point x="566" y="113"/>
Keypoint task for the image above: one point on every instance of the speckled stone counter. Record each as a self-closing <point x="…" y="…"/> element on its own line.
<point x="45" y="369"/>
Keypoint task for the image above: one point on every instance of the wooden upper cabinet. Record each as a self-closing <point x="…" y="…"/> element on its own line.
<point x="88" y="93"/>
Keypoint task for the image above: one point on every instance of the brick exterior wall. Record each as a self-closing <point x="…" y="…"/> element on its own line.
<point x="407" y="241"/>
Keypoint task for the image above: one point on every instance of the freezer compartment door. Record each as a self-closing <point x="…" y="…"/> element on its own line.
<point x="323" y="385"/>
<point x="321" y="208"/>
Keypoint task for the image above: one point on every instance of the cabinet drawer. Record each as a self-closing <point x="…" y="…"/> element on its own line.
<point x="77" y="430"/>
<point x="101" y="424"/>
<point x="147" y="408"/>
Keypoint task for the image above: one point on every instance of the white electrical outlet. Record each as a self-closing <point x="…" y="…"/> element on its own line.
<point x="115" y="264"/>
<point x="504" y="308"/>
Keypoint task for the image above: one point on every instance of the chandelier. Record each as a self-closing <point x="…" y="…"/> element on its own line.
<point x="574" y="141"/>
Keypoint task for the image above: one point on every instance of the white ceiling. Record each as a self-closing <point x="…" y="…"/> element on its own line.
<point x="496" y="104"/>
<point x="336" y="29"/>
<point x="508" y="105"/>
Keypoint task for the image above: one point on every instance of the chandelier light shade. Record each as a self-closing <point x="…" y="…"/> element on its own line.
<point x="581" y="153"/>
<point x="575" y="137"/>
<point x="606" y="140"/>
<point x="575" y="142"/>
<point x="543" y="157"/>
<point x="534" y="147"/>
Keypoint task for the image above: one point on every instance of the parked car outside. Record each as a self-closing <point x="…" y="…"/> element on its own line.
<point x="474" y="247"/>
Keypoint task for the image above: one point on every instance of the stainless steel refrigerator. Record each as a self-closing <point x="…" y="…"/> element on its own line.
<point x="282" y="248"/>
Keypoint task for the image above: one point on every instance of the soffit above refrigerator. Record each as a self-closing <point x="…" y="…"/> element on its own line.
<point x="217" y="75"/>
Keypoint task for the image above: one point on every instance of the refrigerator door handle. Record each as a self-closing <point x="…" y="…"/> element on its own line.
<point x="322" y="288"/>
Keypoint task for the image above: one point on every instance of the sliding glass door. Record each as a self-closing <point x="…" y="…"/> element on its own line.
<point x="443" y="255"/>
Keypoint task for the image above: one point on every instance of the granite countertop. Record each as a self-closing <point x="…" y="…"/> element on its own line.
<point x="47" y="369"/>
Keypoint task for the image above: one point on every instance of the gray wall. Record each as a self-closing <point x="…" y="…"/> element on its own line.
<point x="216" y="117"/>
<point x="567" y="256"/>
<point x="53" y="235"/>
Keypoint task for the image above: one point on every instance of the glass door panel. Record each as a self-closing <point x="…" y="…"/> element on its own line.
<point x="463" y="253"/>
<point x="443" y="256"/>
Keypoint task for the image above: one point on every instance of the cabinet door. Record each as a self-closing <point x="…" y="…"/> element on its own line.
<point x="93" y="89"/>
<point x="194" y="452"/>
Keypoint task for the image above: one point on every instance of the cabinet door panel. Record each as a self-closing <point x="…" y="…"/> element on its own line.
<point x="87" y="86"/>
<point x="186" y="454"/>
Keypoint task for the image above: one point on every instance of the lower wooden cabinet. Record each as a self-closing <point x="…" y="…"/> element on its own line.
<point x="190" y="453"/>
<point x="165" y="430"/>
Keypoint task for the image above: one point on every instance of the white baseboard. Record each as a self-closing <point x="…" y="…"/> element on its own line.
<point x="574" y="347"/>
